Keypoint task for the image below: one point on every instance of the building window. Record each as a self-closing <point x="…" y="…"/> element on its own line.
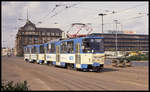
<point x="52" y="34"/>
<point x="57" y="34"/>
<point x="36" y="40"/>
<point x="43" y="33"/>
<point x="48" y="33"/>
<point x="30" y="38"/>
<point x="22" y="33"/>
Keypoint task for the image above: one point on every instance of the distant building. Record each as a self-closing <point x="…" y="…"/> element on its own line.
<point x="125" y="42"/>
<point x="29" y="34"/>
<point x="114" y="32"/>
<point x="129" y="32"/>
<point x="122" y="32"/>
<point x="5" y="51"/>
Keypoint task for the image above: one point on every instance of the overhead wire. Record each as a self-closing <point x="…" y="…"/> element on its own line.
<point x="114" y="12"/>
<point x="56" y="6"/>
<point x="50" y="12"/>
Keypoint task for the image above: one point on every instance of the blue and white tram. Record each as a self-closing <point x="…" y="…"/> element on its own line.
<point x="79" y="53"/>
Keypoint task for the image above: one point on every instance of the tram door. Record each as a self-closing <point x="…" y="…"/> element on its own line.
<point x="77" y="54"/>
<point x="45" y="51"/>
<point x="57" y="54"/>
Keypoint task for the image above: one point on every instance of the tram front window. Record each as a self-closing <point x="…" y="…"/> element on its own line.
<point x="92" y="45"/>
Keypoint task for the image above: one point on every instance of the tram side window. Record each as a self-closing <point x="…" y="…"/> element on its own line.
<point x="32" y="50"/>
<point x="36" y="50"/>
<point x="102" y="46"/>
<point x="49" y="48"/>
<point x="46" y="48"/>
<point x="64" y="47"/>
<point x="28" y="50"/>
<point x="86" y="46"/>
<point x="25" y="50"/>
<point x="41" y="49"/>
<point x="52" y="48"/>
<point x="70" y="47"/>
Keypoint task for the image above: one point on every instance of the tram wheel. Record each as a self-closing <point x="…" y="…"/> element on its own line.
<point x="84" y="70"/>
<point x="50" y="64"/>
<point x="68" y="67"/>
<point x="75" y="69"/>
<point x="99" y="69"/>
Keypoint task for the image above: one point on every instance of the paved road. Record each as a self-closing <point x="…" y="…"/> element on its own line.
<point x="43" y="77"/>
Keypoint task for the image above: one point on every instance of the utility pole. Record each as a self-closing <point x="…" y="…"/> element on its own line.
<point x="116" y="21"/>
<point x="101" y="14"/>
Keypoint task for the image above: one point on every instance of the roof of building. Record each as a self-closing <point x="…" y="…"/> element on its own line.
<point x="29" y="23"/>
<point x="49" y="29"/>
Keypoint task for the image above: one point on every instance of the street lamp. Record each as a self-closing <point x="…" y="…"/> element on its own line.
<point x="116" y="21"/>
<point x="101" y="14"/>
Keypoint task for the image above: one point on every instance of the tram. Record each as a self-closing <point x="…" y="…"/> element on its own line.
<point x="85" y="53"/>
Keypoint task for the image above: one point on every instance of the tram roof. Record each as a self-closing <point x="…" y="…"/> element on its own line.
<point x="64" y="40"/>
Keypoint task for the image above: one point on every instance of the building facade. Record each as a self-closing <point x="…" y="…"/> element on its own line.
<point x="125" y="42"/>
<point x="29" y="34"/>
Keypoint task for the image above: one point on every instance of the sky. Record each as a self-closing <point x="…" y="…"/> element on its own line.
<point x="130" y="15"/>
